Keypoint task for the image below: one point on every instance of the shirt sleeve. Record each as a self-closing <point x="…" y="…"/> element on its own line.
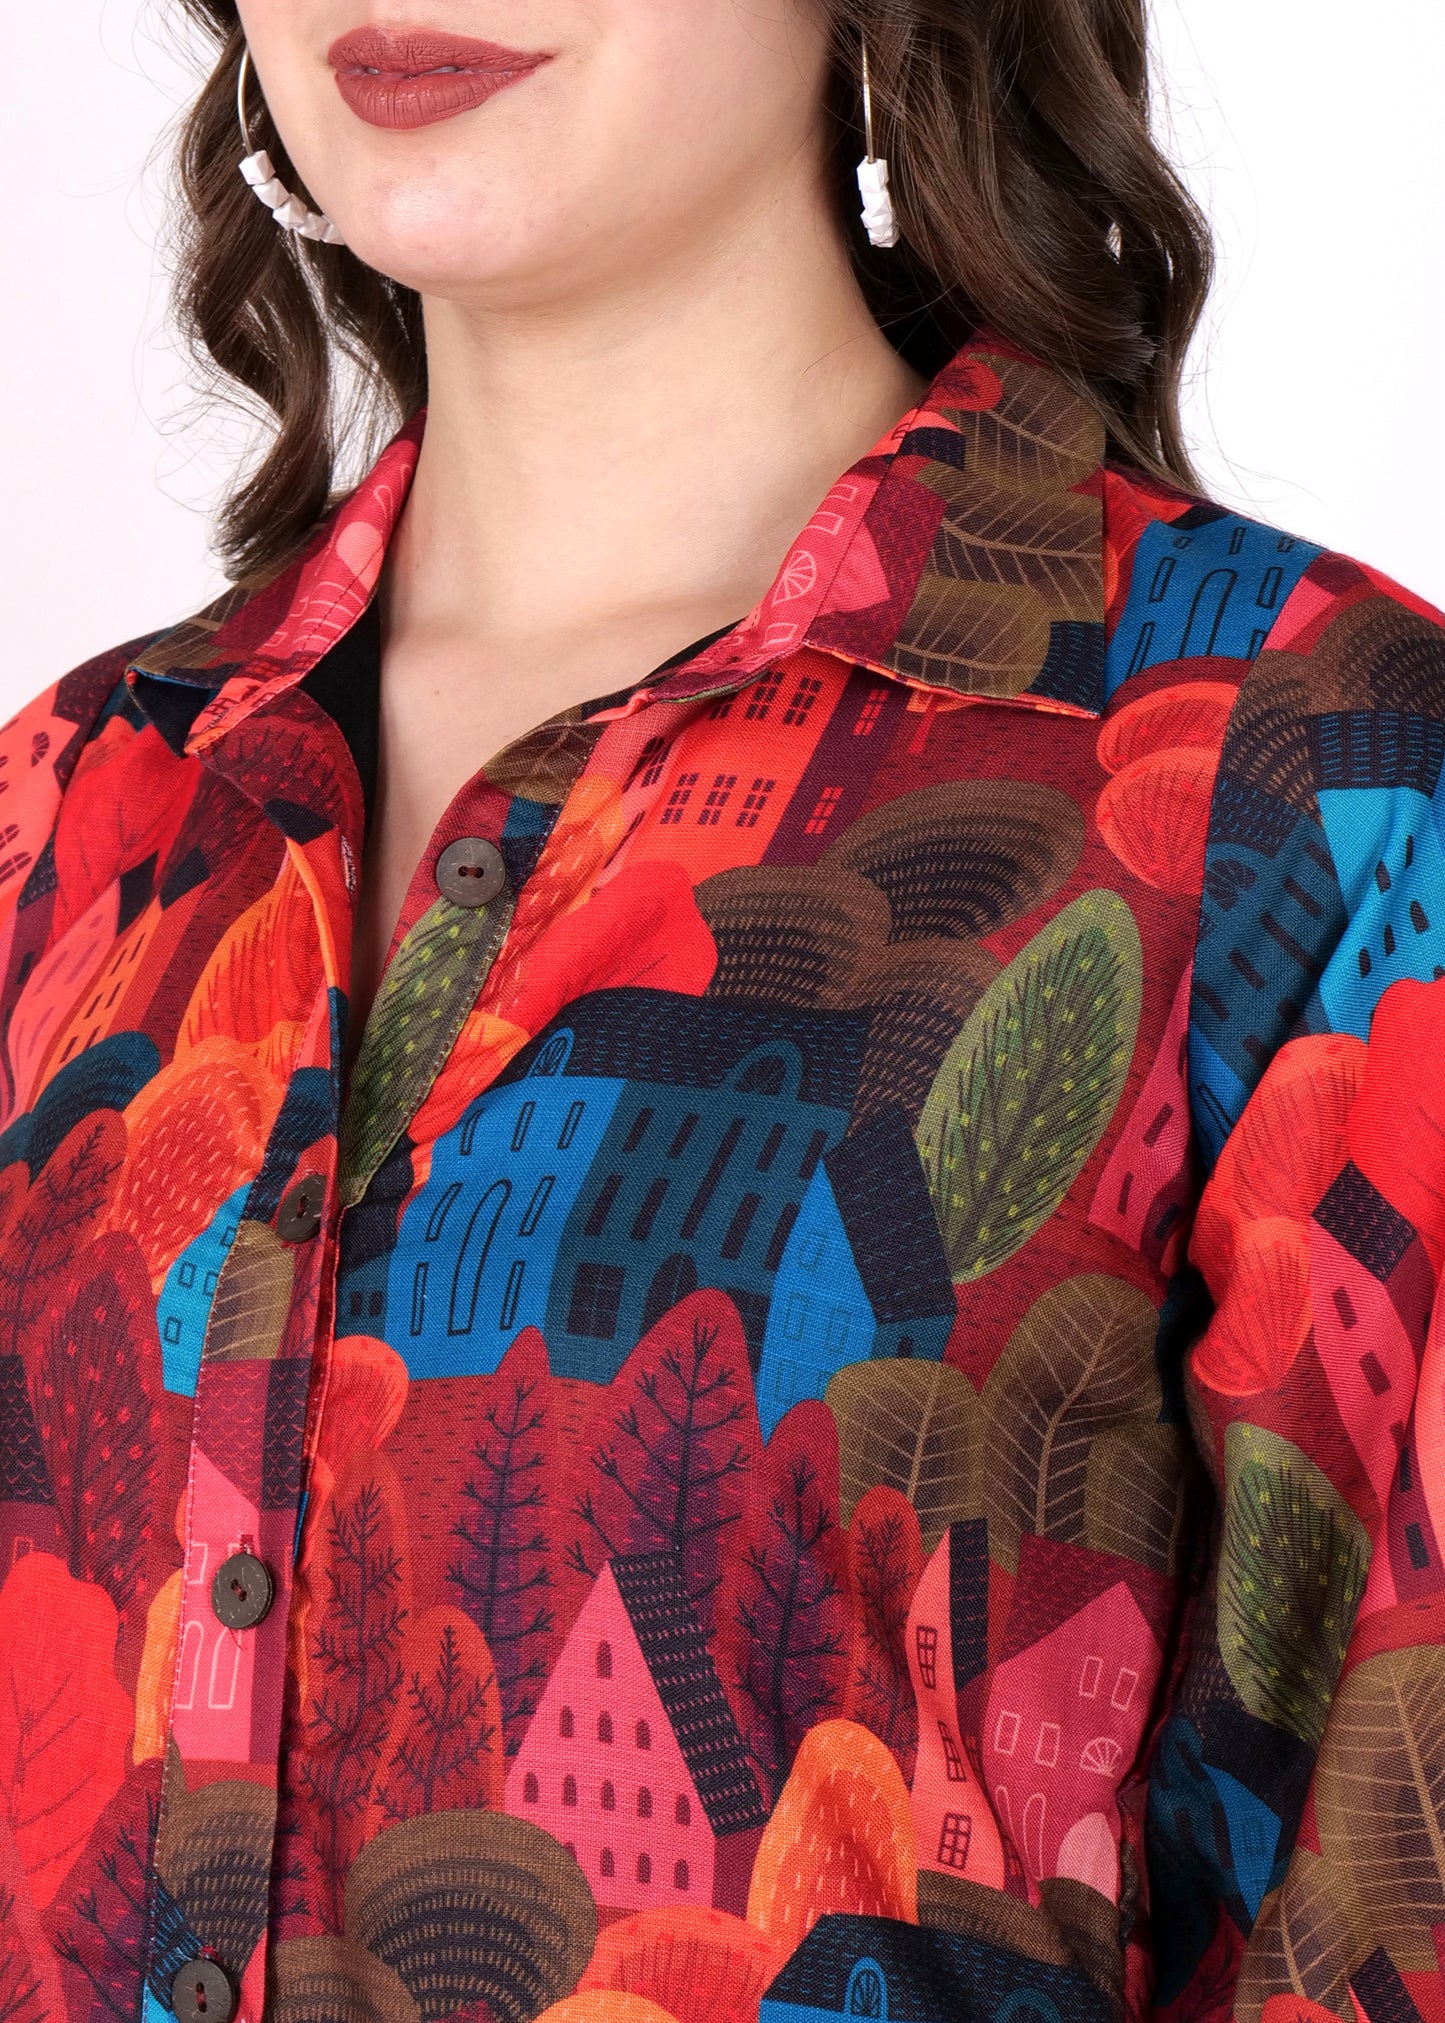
<point x="1295" y="1850"/>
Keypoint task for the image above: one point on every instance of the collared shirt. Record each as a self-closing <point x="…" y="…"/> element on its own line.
<point x="845" y="1418"/>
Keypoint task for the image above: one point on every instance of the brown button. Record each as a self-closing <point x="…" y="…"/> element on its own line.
<point x="201" y="1993"/>
<point x="471" y="872"/>
<point x="242" y="1592"/>
<point x="299" y="1217"/>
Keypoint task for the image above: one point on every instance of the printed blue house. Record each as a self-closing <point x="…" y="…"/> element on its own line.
<point x="863" y="1273"/>
<point x="855" y="1966"/>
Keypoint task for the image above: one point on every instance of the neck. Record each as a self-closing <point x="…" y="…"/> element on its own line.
<point x="668" y="431"/>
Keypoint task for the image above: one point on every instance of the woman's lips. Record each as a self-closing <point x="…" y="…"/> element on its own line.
<point x="416" y="77"/>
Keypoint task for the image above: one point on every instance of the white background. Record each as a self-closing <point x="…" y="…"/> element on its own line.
<point x="1311" y="129"/>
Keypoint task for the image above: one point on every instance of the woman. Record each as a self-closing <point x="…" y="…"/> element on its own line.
<point x="718" y="1243"/>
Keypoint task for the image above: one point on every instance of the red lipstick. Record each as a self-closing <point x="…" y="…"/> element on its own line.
<point x="403" y="78"/>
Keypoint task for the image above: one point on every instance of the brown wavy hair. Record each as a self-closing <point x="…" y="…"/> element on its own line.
<point x="1030" y="190"/>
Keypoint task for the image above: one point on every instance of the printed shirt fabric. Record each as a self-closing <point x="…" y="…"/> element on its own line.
<point x="860" y="1432"/>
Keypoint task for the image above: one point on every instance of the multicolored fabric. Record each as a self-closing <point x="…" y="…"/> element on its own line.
<point x="787" y="1493"/>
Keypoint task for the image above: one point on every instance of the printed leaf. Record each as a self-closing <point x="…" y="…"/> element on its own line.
<point x="64" y="1720"/>
<point x="910" y="1427"/>
<point x="58" y="1212"/>
<point x="1292" y="1570"/>
<point x="1306" y="1942"/>
<point x="1076" y="1366"/>
<point x="999" y="635"/>
<point x="1027" y="1089"/>
<point x="1047" y="543"/>
<point x="1264" y="1316"/>
<point x="1190" y="713"/>
<point x="1154" y="816"/>
<point x="605" y="2006"/>
<point x="1039" y="433"/>
<point x="430" y="986"/>
<point x="266" y="971"/>
<point x="1137" y="1490"/>
<point x="252" y="1299"/>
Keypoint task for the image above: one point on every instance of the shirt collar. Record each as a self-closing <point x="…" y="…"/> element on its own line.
<point x="962" y="556"/>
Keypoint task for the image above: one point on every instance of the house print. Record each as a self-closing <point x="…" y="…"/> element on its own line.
<point x="29" y="1521"/>
<point x="947" y="1653"/>
<point x="1067" y="1705"/>
<point x="633" y="1759"/>
<point x="655" y="1144"/>
<point x="857" y="1966"/>
<point x="767" y="770"/>
<point x="851" y="1285"/>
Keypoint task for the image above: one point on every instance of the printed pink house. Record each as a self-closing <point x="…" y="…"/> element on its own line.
<point x="947" y="1652"/>
<point x="1067" y="1706"/>
<point x="633" y="1759"/>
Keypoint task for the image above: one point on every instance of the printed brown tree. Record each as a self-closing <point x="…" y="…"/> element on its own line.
<point x="886" y="1556"/>
<point x="792" y="1614"/>
<point x="670" y="1471"/>
<point x="354" y="1653"/>
<point x="503" y="1575"/>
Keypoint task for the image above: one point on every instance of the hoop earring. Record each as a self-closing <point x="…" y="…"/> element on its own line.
<point x="289" y="212"/>
<point x="878" y="215"/>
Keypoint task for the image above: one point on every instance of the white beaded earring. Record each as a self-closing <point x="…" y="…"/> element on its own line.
<point x="873" y="178"/>
<point x="289" y="212"/>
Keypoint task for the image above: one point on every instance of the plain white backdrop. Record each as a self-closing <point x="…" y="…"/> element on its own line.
<point x="1310" y="129"/>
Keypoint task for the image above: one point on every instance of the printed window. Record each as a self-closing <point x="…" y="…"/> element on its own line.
<point x="596" y="1301"/>
<point x="868" y="716"/>
<point x="644" y="1803"/>
<point x="531" y="1791"/>
<point x="719" y="794"/>
<point x="638" y="1131"/>
<point x="1047" y="1752"/>
<point x="609" y="1797"/>
<point x="566" y="1727"/>
<point x="644" y="1735"/>
<point x="647" y="1213"/>
<point x="604" y="1727"/>
<point x="532" y="1215"/>
<point x="795" y="1317"/>
<point x="644" y="1868"/>
<point x="926" y="1639"/>
<point x="569" y="1126"/>
<point x="754" y="802"/>
<point x="952" y="1755"/>
<point x="782" y="1230"/>
<point x="569" y="1791"/>
<point x="804" y="696"/>
<point x="604" y="1664"/>
<point x="953" y="1841"/>
<point x="678" y="799"/>
<point x="1124" y="1686"/>
<point x="512" y="1295"/>
<point x="866" y="1993"/>
<point x="1006" y="1734"/>
<point x="824" y="811"/>
<point x="524" y="1119"/>
<point x="682" y="1811"/>
<point x="602" y="1207"/>
<point x="761" y="700"/>
<point x="608" y="1864"/>
<point x="1089" y="1678"/>
<point x="651" y="761"/>
<point x="721" y="711"/>
<point x="680" y="1876"/>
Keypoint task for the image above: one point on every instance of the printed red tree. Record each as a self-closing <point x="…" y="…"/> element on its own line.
<point x="502" y="1574"/>
<point x="98" y="1421"/>
<point x="444" y="1749"/>
<point x="886" y="1557"/>
<point x="49" y="1220"/>
<point x="100" y="1924"/>
<point x="354" y="1651"/>
<point x="791" y="1618"/>
<point x="671" y="1469"/>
